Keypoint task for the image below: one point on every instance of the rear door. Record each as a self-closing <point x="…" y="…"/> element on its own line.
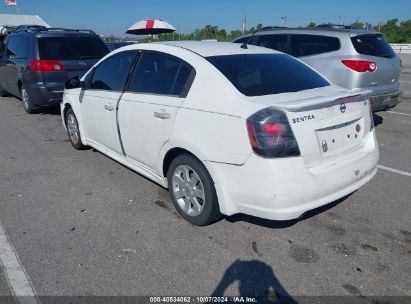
<point x="374" y="47"/>
<point x="77" y="53"/>
<point x="148" y="108"/>
<point x="99" y="103"/>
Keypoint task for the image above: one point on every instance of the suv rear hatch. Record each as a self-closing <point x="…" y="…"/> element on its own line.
<point x="76" y="54"/>
<point x="374" y="48"/>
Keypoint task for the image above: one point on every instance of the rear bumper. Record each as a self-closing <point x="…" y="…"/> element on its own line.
<point x="284" y="189"/>
<point x="41" y="96"/>
<point x="382" y="102"/>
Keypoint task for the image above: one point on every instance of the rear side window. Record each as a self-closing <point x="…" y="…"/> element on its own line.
<point x="71" y="48"/>
<point x="18" y="47"/>
<point x="158" y="73"/>
<point x="266" y="74"/>
<point x="372" y="45"/>
<point x="111" y="74"/>
<point x="275" y="42"/>
<point x="306" y="45"/>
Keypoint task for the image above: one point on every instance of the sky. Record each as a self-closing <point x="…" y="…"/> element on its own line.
<point x="114" y="17"/>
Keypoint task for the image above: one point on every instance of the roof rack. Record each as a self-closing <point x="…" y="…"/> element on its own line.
<point x="333" y="26"/>
<point x="40" y="28"/>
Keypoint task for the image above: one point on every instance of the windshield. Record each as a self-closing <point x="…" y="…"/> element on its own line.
<point x="71" y="48"/>
<point x="266" y="74"/>
<point x="372" y="45"/>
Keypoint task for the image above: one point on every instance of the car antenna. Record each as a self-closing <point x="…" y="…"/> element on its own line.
<point x="265" y="28"/>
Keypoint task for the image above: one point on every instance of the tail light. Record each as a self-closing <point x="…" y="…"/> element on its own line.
<point x="360" y="65"/>
<point x="37" y="65"/>
<point x="271" y="135"/>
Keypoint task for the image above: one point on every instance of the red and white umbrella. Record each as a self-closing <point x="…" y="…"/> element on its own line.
<point x="150" y="27"/>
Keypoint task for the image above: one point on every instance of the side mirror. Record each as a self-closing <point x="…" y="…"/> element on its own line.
<point x="73" y="83"/>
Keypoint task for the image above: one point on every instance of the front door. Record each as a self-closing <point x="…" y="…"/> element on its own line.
<point x="100" y="101"/>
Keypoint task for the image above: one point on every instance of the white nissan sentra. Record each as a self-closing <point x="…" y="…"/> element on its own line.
<point x="227" y="129"/>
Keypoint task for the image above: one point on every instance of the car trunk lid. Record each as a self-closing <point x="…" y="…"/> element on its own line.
<point x="328" y="123"/>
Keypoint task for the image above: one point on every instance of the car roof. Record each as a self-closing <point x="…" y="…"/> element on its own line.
<point x="213" y="48"/>
<point x="317" y="30"/>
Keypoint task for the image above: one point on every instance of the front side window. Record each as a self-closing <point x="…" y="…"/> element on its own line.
<point x="158" y="73"/>
<point x="111" y="74"/>
<point x="306" y="45"/>
<point x="275" y="42"/>
<point x="266" y="74"/>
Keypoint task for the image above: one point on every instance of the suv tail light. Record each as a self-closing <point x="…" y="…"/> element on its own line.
<point x="37" y="65"/>
<point x="360" y="65"/>
<point x="271" y="135"/>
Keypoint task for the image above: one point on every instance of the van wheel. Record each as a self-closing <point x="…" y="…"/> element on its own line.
<point x="73" y="130"/>
<point x="3" y="93"/>
<point x="26" y="101"/>
<point x="192" y="191"/>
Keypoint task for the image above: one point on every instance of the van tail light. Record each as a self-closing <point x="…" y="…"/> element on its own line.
<point x="271" y="135"/>
<point x="37" y="65"/>
<point x="360" y="66"/>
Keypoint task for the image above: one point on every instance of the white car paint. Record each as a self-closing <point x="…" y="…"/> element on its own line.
<point x="210" y="123"/>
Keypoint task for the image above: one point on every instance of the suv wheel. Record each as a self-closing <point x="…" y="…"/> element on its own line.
<point x="26" y="101"/>
<point x="192" y="191"/>
<point x="73" y="130"/>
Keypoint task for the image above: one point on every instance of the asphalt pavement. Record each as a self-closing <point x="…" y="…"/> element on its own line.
<point x="81" y="224"/>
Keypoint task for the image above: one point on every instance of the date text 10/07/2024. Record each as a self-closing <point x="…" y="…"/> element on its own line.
<point x="203" y="300"/>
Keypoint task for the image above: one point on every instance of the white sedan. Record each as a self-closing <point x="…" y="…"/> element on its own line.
<point x="227" y="129"/>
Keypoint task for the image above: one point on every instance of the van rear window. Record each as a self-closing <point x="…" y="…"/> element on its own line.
<point x="372" y="45"/>
<point x="71" y="48"/>
<point x="266" y="74"/>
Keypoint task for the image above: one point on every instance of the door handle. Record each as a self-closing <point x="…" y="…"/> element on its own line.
<point x="162" y="115"/>
<point x="109" y="107"/>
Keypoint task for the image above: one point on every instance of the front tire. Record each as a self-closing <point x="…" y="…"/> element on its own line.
<point x="192" y="191"/>
<point x="73" y="130"/>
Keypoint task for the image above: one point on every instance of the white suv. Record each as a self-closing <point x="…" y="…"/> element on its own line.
<point x="228" y="130"/>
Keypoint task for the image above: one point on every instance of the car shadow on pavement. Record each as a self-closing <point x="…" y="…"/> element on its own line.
<point x="377" y="119"/>
<point x="55" y="110"/>
<point x="284" y="224"/>
<point x="255" y="279"/>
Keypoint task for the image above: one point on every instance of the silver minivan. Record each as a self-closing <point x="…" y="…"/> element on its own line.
<point x="348" y="57"/>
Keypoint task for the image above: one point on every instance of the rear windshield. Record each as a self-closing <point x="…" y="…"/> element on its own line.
<point x="372" y="45"/>
<point x="71" y="48"/>
<point x="266" y="74"/>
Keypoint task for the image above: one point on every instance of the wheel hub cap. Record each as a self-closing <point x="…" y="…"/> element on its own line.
<point x="188" y="190"/>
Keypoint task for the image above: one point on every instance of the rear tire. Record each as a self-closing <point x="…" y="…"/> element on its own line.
<point x="3" y="93"/>
<point x="26" y="101"/>
<point x="73" y="130"/>
<point x="192" y="191"/>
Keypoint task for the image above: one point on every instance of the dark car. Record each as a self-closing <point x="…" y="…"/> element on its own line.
<point x="116" y="45"/>
<point x="35" y="62"/>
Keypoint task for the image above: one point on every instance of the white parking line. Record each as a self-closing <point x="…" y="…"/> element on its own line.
<point x="399" y="113"/>
<point x="16" y="276"/>
<point x="409" y="82"/>
<point x="394" y="170"/>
